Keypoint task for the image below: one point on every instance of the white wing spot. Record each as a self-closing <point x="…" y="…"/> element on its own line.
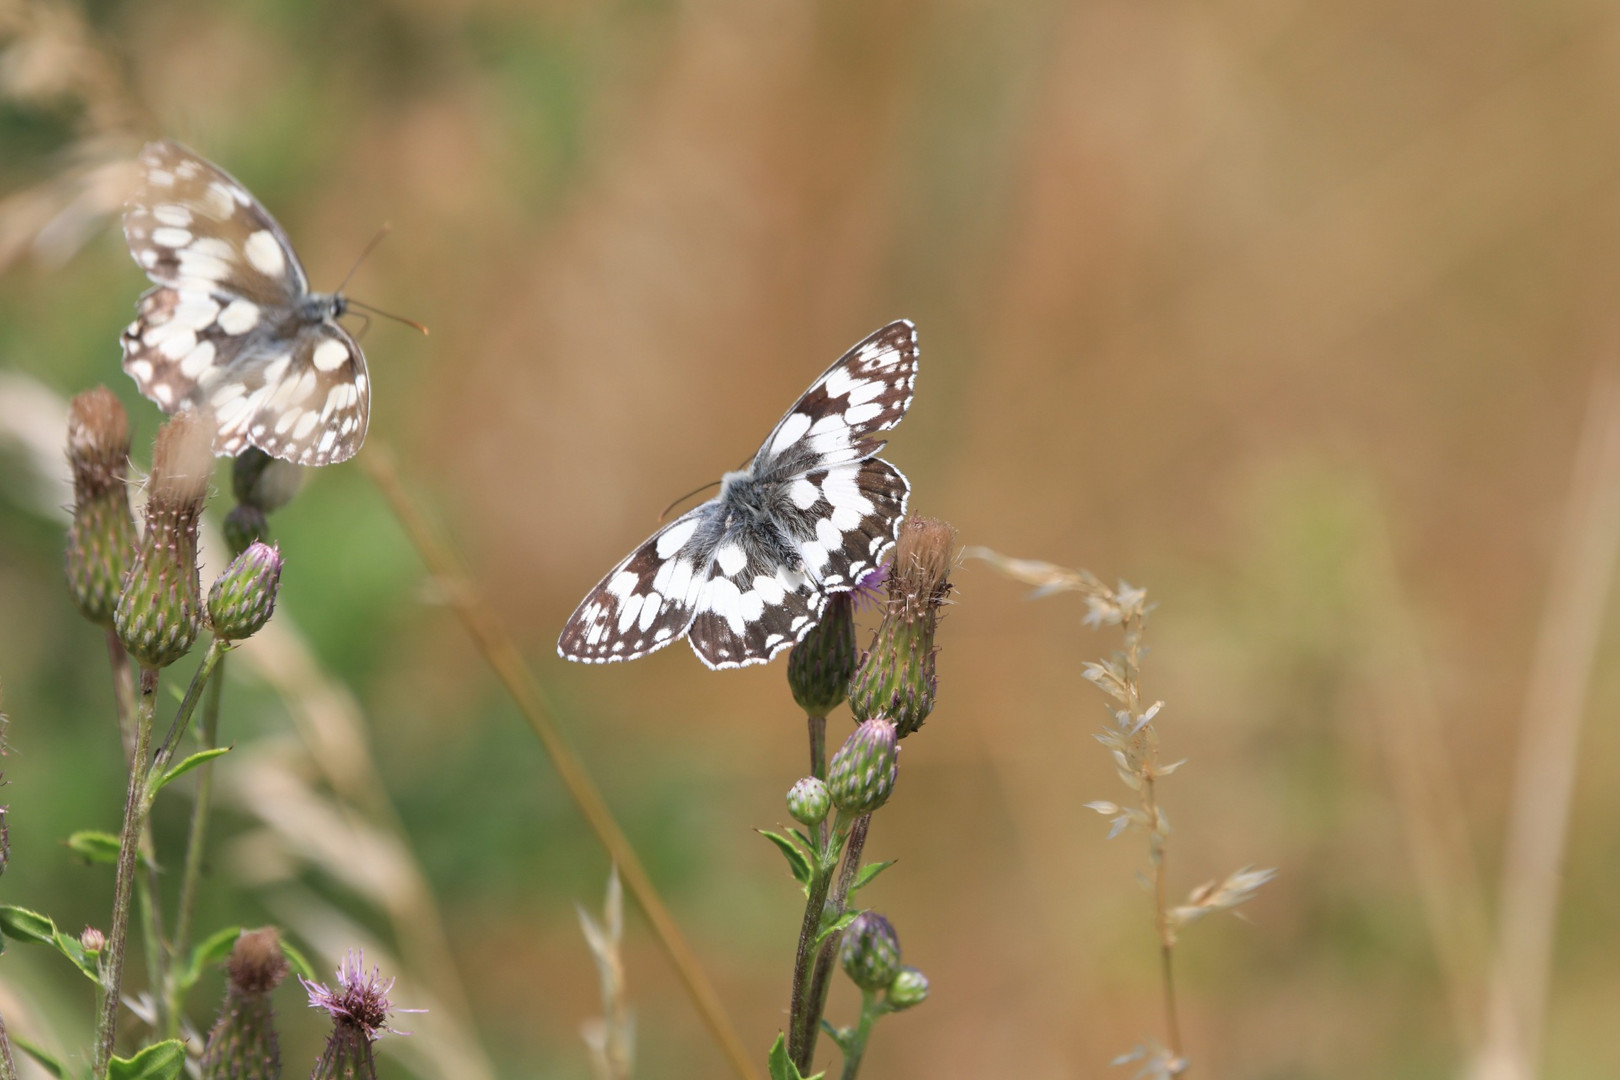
<point x="673" y="539"/>
<point x="140" y="370"/>
<point x="239" y="317"/>
<point x="731" y="558"/>
<point x="198" y="360"/>
<point x="264" y="252"/>
<point x="218" y="202"/>
<point x="306" y="424"/>
<point x="330" y="354"/>
<point x="803" y="493"/>
<point x="177" y="216"/>
<point x="170" y="237"/>
<point x="792" y="429"/>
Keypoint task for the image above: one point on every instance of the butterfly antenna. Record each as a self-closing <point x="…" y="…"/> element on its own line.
<point x="412" y="323"/>
<point x="665" y="512"/>
<point x="364" y="252"/>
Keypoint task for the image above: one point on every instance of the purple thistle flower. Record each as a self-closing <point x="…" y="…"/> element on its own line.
<point x="360" y="999"/>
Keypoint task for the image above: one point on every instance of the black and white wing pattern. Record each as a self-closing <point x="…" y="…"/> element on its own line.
<point x="230" y="324"/>
<point x="747" y="574"/>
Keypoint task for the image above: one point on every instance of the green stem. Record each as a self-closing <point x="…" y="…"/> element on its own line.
<point x="821" y="977"/>
<point x="182" y="719"/>
<point x="8" y="1068"/>
<point x="128" y="847"/>
<point x="815" y="906"/>
<point x="123" y="691"/>
<point x="856" y="1048"/>
<point x="818" y="746"/>
<point x="195" y="843"/>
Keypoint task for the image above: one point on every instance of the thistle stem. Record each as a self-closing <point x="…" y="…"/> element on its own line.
<point x="196" y="841"/>
<point x="8" y="1068"/>
<point x="818" y="746"/>
<point x="135" y="804"/>
<point x="870" y="1011"/>
<point x="800" y="1032"/>
<point x="821" y="977"/>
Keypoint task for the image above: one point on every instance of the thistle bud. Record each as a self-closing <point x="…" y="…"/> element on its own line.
<point x="910" y="987"/>
<point x="819" y="666"/>
<point x="244" y="596"/>
<point x="896" y="677"/>
<point x="159" y="609"/>
<point x="863" y="772"/>
<point x="101" y="540"/>
<point x="92" y="940"/>
<point x="870" y="952"/>
<point x="245" y="524"/>
<point x="808" y="801"/>
<point x="359" y="1008"/>
<point x="262" y="481"/>
<point x="243" y="1044"/>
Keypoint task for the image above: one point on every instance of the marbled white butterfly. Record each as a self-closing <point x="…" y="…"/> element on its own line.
<point x="746" y="574"/>
<point x="231" y="325"/>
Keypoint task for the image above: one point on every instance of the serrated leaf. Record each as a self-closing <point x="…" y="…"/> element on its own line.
<point x="47" y="1061"/>
<point x="782" y="1067"/>
<point x="798" y="862"/>
<point x="187" y="765"/>
<point x="835" y="927"/>
<point x="160" y="1061"/>
<point x="95" y="846"/>
<point x="300" y="964"/>
<point x="866" y="873"/>
<point x="216" y="947"/>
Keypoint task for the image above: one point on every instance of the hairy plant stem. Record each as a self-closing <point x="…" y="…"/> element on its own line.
<point x="802" y="1019"/>
<point x="123" y="884"/>
<point x="818" y="746"/>
<point x="123" y="692"/>
<point x="856" y="1049"/>
<point x="8" y="1068"/>
<point x="821" y="977"/>
<point x="196" y="840"/>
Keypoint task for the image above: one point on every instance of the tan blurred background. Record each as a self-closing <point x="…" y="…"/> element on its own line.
<point x="1288" y="312"/>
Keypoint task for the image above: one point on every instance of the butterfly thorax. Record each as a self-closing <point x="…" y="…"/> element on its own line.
<point x="744" y="498"/>
<point x="318" y="307"/>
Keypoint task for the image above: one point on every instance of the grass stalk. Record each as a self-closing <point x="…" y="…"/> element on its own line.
<point x="1549" y="744"/>
<point x="503" y="656"/>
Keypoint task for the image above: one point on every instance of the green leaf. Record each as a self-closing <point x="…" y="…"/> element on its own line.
<point x="46" y="1060"/>
<point x="782" y="1067"/>
<point x="867" y="873"/>
<point x="94" y="846"/>
<point x="160" y="1061"/>
<point x="835" y="927"/>
<point x="797" y="860"/>
<point x="210" y="951"/>
<point x="25" y="925"/>
<point x="187" y="765"/>
<point x="299" y="963"/>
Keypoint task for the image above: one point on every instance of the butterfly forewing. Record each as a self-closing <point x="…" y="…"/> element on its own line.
<point x="648" y="600"/>
<point x="193" y="227"/>
<point x="231" y="325"/>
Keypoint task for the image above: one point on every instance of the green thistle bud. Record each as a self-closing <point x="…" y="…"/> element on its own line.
<point x="245" y="524"/>
<point x="896" y="677"/>
<point x="910" y="987"/>
<point x="244" y="596"/>
<point x="808" y="801"/>
<point x="865" y="768"/>
<point x="870" y="952"/>
<point x="243" y="1044"/>
<point x="359" y="1008"/>
<point x="261" y="481"/>
<point x="101" y="540"/>
<point x="159" y="609"/>
<point x="819" y="666"/>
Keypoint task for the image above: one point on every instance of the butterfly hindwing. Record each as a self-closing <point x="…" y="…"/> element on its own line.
<point x="753" y="604"/>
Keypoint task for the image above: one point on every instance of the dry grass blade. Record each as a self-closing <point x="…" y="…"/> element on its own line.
<point x="611" y="1037"/>
<point x="503" y="655"/>
<point x="1549" y="744"/>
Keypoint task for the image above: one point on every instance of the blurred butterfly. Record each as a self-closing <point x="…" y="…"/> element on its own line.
<point x="747" y="574"/>
<point x="231" y="324"/>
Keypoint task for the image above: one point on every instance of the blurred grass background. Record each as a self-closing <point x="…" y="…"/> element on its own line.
<point x="1286" y="311"/>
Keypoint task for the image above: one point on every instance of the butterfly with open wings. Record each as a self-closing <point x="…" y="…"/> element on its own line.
<point x="747" y="574"/>
<point x="230" y="324"/>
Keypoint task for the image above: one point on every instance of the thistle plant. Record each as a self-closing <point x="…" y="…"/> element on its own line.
<point x="359" y="1008"/>
<point x="1131" y="736"/>
<point x="891" y="689"/>
<point x="243" y="1044"/>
